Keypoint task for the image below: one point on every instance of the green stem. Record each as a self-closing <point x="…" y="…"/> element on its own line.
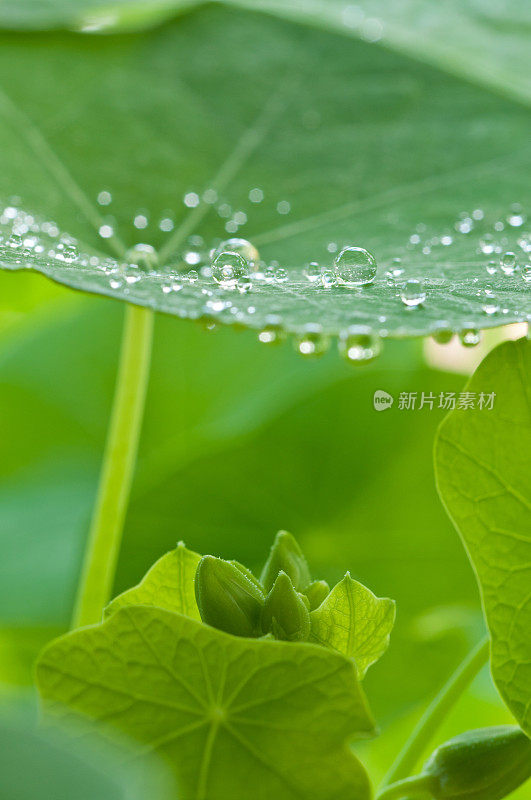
<point x="409" y="787"/>
<point x="116" y="475"/>
<point x="436" y="712"/>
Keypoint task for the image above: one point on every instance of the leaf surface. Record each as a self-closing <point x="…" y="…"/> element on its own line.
<point x="168" y="584"/>
<point x="483" y="464"/>
<point x="355" y="622"/>
<point x="217" y="707"/>
<point x="391" y="155"/>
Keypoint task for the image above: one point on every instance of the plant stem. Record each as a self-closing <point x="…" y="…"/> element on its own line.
<point x="409" y="787"/>
<point x="436" y="712"/>
<point x="116" y="474"/>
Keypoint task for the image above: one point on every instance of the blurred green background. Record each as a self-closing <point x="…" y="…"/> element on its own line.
<point x="240" y="439"/>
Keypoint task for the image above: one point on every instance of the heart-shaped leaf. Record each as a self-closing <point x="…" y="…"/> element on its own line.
<point x="219" y="708"/>
<point x="327" y="142"/>
<point x="355" y="622"/>
<point x="483" y="463"/>
<point x="168" y="584"/>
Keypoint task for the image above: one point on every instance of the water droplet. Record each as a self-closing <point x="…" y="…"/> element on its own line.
<point x="283" y="207"/>
<point x="487" y="243"/>
<point x="313" y="342"/>
<point x="492" y="267"/>
<point x="115" y="283"/>
<point x="442" y="334"/>
<point x="244" y="284"/>
<point x="192" y="276"/>
<point x="227" y="268"/>
<point x="166" y="224"/>
<point x="524" y="242"/>
<point x="256" y="195"/>
<point x="328" y="278"/>
<point x="355" y="266"/>
<point x="242" y="247"/>
<point x="69" y="253"/>
<point x="106" y="231"/>
<point x="508" y="263"/>
<point x="144" y="256"/>
<point x="104" y="198"/>
<point x="281" y="275"/>
<point x="140" y="221"/>
<point x="516" y="217"/>
<point x="312" y="271"/>
<point x="359" y="344"/>
<point x="15" y="241"/>
<point x="273" y="332"/>
<point x="413" y="293"/>
<point x="470" y="337"/>
<point x="393" y="275"/>
<point x="191" y="199"/>
<point x="490" y="304"/>
<point x="526" y="273"/>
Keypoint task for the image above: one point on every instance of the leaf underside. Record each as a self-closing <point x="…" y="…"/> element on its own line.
<point x="218" y="708"/>
<point x="349" y="144"/>
<point x="483" y="464"/>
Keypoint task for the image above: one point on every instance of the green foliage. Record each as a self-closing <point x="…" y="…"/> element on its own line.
<point x="344" y="191"/>
<point x="483" y="465"/>
<point x="218" y="708"/>
<point x="168" y="584"/>
<point x="355" y="622"/>
<point x="483" y="764"/>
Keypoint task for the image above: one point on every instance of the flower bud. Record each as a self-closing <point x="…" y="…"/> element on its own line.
<point x="286" y="556"/>
<point x="484" y="764"/>
<point x="227" y="599"/>
<point x="285" y="612"/>
<point x="316" y="593"/>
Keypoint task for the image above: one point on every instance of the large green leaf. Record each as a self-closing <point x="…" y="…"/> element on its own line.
<point x="390" y="155"/>
<point x="483" y="461"/>
<point x="168" y="584"/>
<point x="217" y="707"/>
<point x="355" y="622"/>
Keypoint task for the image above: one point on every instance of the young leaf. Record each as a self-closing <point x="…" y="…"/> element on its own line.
<point x="218" y="708"/>
<point x="355" y="622"/>
<point x="168" y="584"/>
<point x="483" y="464"/>
<point x="451" y="170"/>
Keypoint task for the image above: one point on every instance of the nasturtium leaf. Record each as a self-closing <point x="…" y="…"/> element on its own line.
<point x="483" y="464"/>
<point x="391" y="155"/>
<point x="168" y="584"/>
<point x="218" y="708"/>
<point x="355" y="622"/>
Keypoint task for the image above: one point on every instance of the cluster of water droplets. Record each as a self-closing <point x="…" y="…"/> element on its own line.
<point x="230" y="272"/>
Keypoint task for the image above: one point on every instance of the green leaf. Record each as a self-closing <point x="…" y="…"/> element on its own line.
<point x="390" y="153"/>
<point x="168" y="584"/>
<point x="218" y="708"/>
<point x="355" y="622"/>
<point x="483" y="463"/>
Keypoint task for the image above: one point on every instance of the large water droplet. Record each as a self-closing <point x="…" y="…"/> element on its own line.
<point x="359" y="344"/>
<point x="312" y="342"/>
<point x="355" y="266"/>
<point x="228" y="268"/>
<point x="413" y="293"/>
<point x="242" y="247"/>
<point x="470" y="337"/>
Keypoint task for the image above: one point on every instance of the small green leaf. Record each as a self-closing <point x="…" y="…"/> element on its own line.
<point x="286" y="556"/>
<point x="168" y="584"/>
<point x="316" y="592"/>
<point x="355" y="622"/>
<point x="218" y="708"/>
<point x="483" y="464"/>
